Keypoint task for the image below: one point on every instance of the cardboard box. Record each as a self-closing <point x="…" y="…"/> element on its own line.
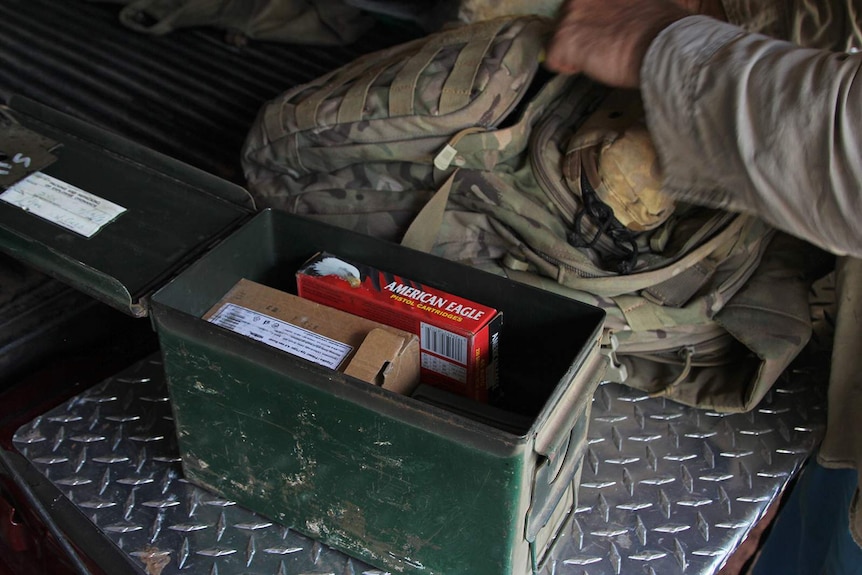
<point x="459" y="338"/>
<point x="359" y="347"/>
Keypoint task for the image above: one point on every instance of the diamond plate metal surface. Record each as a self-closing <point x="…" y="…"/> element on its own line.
<point x="665" y="488"/>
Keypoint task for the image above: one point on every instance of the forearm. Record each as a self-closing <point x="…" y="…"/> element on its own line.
<point x="761" y="126"/>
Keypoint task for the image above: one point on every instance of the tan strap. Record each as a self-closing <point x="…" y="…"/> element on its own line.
<point x="676" y="291"/>
<point x="273" y="122"/>
<point x="353" y="104"/>
<point x="443" y="159"/>
<point x="514" y="263"/>
<point x="306" y="111"/>
<point x="423" y="230"/>
<point x="459" y="85"/>
<point x="403" y="87"/>
<point x="687" y="353"/>
<point x="473" y="144"/>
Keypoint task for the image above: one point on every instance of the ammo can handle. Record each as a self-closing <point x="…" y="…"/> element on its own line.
<point x="561" y="444"/>
<point x="551" y="482"/>
<point x="552" y="437"/>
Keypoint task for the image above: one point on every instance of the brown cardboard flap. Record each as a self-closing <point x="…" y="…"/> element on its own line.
<point x="377" y="361"/>
<point x="359" y="347"/>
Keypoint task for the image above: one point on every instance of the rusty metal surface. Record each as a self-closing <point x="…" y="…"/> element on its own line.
<point x="666" y="488"/>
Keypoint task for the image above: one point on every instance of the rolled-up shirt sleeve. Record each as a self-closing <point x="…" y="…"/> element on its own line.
<point x="757" y="125"/>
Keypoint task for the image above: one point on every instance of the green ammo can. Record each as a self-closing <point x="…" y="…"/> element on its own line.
<point x="405" y="484"/>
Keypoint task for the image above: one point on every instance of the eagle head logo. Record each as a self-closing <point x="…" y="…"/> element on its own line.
<point x="330" y="266"/>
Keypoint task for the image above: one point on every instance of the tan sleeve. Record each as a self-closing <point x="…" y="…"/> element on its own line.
<point x="826" y="24"/>
<point x="757" y="125"/>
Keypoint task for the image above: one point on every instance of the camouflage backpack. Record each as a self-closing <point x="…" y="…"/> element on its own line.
<point x="462" y="145"/>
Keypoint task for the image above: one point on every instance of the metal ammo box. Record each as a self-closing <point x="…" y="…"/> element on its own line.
<point x="404" y="484"/>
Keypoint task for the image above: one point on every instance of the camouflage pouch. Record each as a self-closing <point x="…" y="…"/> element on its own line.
<point x="322" y="22"/>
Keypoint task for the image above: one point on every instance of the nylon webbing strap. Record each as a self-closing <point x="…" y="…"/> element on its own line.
<point x="306" y="111"/>
<point x="459" y="84"/>
<point x="641" y="315"/>
<point x="677" y="290"/>
<point x="403" y="88"/>
<point x="474" y="143"/>
<point x="404" y="85"/>
<point x="425" y="227"/>
<point x="353" y="103"/>
<point x="274" y="118"/>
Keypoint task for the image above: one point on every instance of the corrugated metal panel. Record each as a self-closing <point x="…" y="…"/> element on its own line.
<point x="189" y="94"/>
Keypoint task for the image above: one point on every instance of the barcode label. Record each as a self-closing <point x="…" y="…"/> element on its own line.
<point x="282" y="335"/>
<point x="445" y="343"/>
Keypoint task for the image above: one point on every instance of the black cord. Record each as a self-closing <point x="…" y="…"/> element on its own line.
<point x="606" y="223"/>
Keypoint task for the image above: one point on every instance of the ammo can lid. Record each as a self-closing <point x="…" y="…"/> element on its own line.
<point x="103" y="214"/>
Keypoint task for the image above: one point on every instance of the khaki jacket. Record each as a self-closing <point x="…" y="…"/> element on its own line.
<point x="749" y="123"/>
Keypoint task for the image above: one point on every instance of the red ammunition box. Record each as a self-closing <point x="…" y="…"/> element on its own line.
<point x="459" y="338"/>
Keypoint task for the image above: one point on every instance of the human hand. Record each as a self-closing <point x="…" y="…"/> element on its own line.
<point x="608" y="39"/>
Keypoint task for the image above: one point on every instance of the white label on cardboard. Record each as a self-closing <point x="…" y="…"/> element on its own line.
<point x="62" y="203"/>
<point x="282" y="335"/>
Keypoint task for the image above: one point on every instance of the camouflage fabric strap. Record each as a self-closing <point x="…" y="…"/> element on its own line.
<point x="306" y="111"/>
<point x="456" y="90"/>
<point x="459" y="84"/>
<point x="364" y="71"/>
<point x="477" y="148"/>
<point x="423" y="231"/>
<point x="353" y="103"/>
